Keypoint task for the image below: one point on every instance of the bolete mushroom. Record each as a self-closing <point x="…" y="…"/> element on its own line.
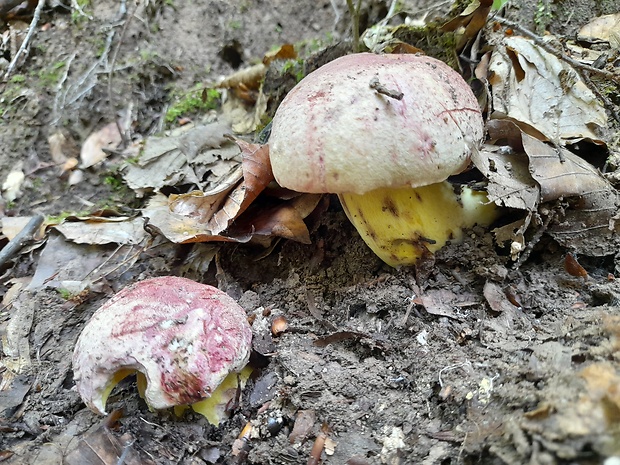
<point x="384" y="132"/>
<point x="185" y="338"/>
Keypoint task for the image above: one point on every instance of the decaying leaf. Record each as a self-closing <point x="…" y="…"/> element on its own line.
<point x="198" y="155"/>
<point x="524" y="172"/>
<point x="602" y="30"/>
<point x="244" y="118"/>
<point x="11" y="187"/>
<point x="532" y="86"/>
<point x="98" y="230"/>
<point x="443" y="302"/>
<point x="284" y="220"/>
<point x="102" y="447"/>
<point x="470" y="22"/>
<point x="108" y="137"/>
<point x="217" y="213"/>
<point x="220" y="214"/>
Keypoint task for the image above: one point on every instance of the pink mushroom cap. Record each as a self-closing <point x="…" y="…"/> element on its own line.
<point x="185" y="337"/>
<point x="335" y="133"/>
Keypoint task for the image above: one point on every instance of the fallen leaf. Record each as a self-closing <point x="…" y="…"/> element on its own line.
<point x="108" y="137"/>
<point x="443" y="302"/>
<point x="102" y="447"/>
<point x="534" y="87"/>
<point x="589" y="225"/>
<point x="604" y="29"/>
<point x="96" y="230"/>
<point x="284" y="52"/>
<point x="11" y="187"/>
<point x="284" y="220"/>
<point x="497" y="298"/>
<point x="198" y="155"/>
<point x="217" y="210"/>
<point x="470" y="22"/>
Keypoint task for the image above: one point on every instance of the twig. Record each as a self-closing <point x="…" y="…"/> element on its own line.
<point x="15" y="244"/>
<point x="111" y="72"/>
<point x="558" y="53"/>
<point x="381" y="89"/>
<point x="31" y="30"/>
<point x="355" y="23"/>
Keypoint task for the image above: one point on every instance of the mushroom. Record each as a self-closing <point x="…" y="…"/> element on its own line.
<point x="384" y="132"/>
<point x="183" y="337"/>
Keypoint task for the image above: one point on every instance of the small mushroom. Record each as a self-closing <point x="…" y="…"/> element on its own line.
<point x="184" y="337"/>
<point x="384" y="132"/>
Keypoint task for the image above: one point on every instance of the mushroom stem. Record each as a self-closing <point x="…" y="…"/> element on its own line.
<point x="405" y="224"/>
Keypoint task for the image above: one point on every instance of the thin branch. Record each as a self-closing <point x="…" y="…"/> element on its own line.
<point x="31" y="30"/>
<point x="111" y="72"/>
<point x="16" y="244"/>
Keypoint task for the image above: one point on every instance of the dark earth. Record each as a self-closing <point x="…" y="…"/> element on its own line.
<point x="507" y="363"/>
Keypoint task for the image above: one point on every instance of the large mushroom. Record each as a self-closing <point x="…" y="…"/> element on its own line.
<point x="384" y="132"/>
<point x="185" y="338"/>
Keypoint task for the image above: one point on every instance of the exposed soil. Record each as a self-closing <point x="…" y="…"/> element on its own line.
<point x="509" y="366"/>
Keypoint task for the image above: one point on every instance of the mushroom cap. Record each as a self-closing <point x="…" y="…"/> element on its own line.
<point x="334" y="133"/>
<point x="185" y="337"/>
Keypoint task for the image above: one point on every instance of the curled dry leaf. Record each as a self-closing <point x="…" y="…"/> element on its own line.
<point x="11" y="187"/>
<point x="199" y="155"/>
<point x="602" y="30"/>
<point x="534" y="87"/>
<point x="108" y="137"/>
<point x="470" y="22"/>
<point x="527" y="172"/>
<point x="223" y="214"/>
<point x="97" y="230"/>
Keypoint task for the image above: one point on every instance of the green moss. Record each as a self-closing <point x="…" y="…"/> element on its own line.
<point x="64" y="293"/>
<point x="17" y="79"/>
<point x="543" y="16"/>
<point x="431" y="39"/>
<point x="50" y="76"/>
<point x="294" y="68"/>
<point x="77" y="14"/>
<point x="197" y="100"/>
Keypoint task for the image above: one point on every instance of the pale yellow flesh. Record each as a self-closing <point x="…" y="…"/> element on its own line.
<point x="405" y="224"/>
<point x="213" y="408"/>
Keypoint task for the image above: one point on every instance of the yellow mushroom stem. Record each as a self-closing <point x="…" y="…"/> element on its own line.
<point x="405" y="224"/>
<point x="213" y="408"/>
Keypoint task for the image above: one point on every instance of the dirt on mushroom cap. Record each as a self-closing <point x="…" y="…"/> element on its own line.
<point x="334" y="133"/>
<point x="185" y="337"/>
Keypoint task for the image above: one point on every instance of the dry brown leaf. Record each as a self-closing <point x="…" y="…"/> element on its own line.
<point x="248" y="77"/>
<point x="62" y="147"/>
<point x="534" y="87"/>
<point x="198" y="155"/>
<point x="116" y="230"/>
<point x="219" y="210"/>
<point x="284" y="52"/>
<point x="285" y="220"/>
<point x="604" y="29"/>
<point x="496" y="297"/>
<point x="470" y="22"/>
<point x="102" y="447"/>
<point x="108" y="137"/>
<point x="443" y="302"/>
<point x="589" y="226"/>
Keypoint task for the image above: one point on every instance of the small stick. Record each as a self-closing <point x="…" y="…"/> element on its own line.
<point x="381" y="89"/>
<point x="31" y="31"/>
<point x="15" y="244"/>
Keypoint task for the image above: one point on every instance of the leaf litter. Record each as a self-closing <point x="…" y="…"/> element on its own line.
<point x="203" y="188"/>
